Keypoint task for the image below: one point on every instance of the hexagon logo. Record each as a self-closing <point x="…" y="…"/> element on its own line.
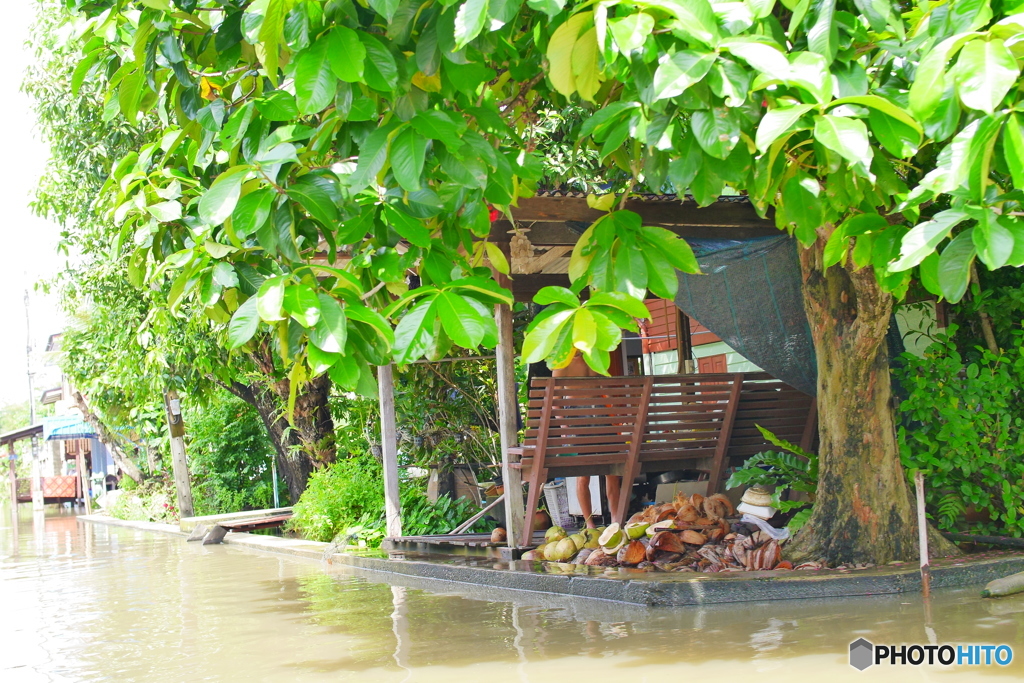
<point x="862" y="654"/>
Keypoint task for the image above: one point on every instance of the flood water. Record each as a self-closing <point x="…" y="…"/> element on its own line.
<point x="86" y="602"/>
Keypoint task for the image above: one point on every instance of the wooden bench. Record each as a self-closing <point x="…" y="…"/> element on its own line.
<point x="586" y="426"/>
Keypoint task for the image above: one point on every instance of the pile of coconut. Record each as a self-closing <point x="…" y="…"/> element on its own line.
<point x="694" y="534"/>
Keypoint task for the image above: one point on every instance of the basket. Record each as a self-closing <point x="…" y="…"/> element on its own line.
<point x="557" y="497"/>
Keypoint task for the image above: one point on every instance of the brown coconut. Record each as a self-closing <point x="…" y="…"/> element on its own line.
<point x="632" y="553"/>
<point x="697" y="501"/>
<point x="693" y="537"/>
<point x="599" y="558"/>
<point x="686" y="513"/>
<point x="499" y="535"/>
<point x="668" y="541"/>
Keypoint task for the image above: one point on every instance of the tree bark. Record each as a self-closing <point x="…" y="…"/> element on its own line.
<point x="122" y="460"/>
<point x="863" y="511"/>
<point x="307" y="441"/>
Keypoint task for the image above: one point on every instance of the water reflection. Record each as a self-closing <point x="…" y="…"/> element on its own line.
<point x="80" y="602"/>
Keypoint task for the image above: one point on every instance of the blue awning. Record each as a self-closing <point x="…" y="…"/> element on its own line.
<point x="66" y="427"/>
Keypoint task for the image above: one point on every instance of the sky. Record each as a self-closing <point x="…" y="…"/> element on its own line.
<point x="27" y="243"/>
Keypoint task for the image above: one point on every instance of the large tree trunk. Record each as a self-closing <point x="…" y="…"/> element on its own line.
<point x="121" y="459"/>
<point x="863" y="510"/>
<point x="303" y="443"/>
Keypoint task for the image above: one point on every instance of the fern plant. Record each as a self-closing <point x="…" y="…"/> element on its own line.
<point x="789" y="468"/>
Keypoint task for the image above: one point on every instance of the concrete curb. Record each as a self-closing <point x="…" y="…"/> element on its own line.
<point x="624" y="585"/>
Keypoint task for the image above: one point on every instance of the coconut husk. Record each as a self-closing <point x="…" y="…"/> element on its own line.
<point x="720" y="499"/>
<point x="693" y="537"/>
<point x="499" y="535"/>
<point x="668" y="541"/>
<point x="632" y="553"/>
<point x="697" y="501"/>
<point x="581" y="556"/>
<point x="599" y="558"/>
<point x="635" y="519"/>
<point x="687" y="513"/>
<point x="785" y="564"/>
<point x="666" y="511"/>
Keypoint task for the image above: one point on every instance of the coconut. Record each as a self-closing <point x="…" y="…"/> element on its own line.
<point x="591" y="536"/>
<point x="612" y="538"/>
<point x="499" y="535"/>
<point x="693" y="537"/>
<point x="535" y="555"/>
<point x="579" y="540"/>
<point x="636" y="530"/>
<point x="599" y="558"/>
<point x="555" y="533"/>
<point x="632" y="553"/>
<point x="661" y="526"/>
<point x="581" y="556"/>
<point x="668" y="541"/>
<point x="560" y="551"/>
<point x="687" y="513"/>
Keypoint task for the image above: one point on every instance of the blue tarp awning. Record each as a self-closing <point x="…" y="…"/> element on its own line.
<point x="66" y="427"/>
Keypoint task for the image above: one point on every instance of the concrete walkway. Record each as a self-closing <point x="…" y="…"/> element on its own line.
<point x="627" y="585"/>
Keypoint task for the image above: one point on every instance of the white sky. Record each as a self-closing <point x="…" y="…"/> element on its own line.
<point x="27" y="243"/>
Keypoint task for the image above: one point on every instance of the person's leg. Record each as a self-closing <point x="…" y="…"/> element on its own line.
<point x="612" y="487"/>
<point x="583" y="496"/>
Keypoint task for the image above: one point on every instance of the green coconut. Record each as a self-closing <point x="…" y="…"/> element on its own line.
<point x="555" y="533"/>
<point x="561" y="551"/>
<point x="636" y="530"/>
<point x="612" y="539"/>
<point x="592" y="537"/>
<point x="661" y="526"/>
<point x="579" y="539"/>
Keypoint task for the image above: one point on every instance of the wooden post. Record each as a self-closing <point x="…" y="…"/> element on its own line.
<point x="922" y="535"/>
<point x="176" y="425"/>
<point x="12" y="459"/>
<point x="508" y="424"/>
<point x="83" y="481"/>
<point x="389" y="448"/>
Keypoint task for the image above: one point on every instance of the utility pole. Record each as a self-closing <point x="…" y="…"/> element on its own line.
<point x="37" y="470"/>
<point x="176" y="425"/>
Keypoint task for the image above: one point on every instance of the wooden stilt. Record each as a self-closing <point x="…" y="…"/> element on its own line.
<point x="508" y="426"/>
<point x="12" y="459"/>
<point x="176" y="425"/>
<point x="389" y="448"/>
<point x="922" y="535"/>
<point x="83" y="480"/>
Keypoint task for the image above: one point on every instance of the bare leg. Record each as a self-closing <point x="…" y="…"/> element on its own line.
<point x="613" y="486"/>
<point x="583" y="496"/>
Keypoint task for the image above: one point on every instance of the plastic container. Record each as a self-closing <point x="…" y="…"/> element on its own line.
<point x="557" y="498"/>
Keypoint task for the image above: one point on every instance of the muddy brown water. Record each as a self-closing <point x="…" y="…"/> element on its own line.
<point x="87" y="602"/>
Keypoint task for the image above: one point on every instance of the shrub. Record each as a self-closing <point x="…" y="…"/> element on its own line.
<point x="964" y="427"/>
<point x="152" y="501"/>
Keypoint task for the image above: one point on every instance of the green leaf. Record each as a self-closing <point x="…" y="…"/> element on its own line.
<point x="778" y="121"/>
<point x="315" y="82"/>
<point x="584" y="331"/>
<point x="716" y="131"/>
<point x="955" y="266"/>
<point x="680" y="71"/>
<point x="540" y="340"/>
<point x="302" y="304"/>
<point x="469" y="21"/>
<point x="270" y="300"/>
<point x="165" y="211"/>
<point x="270" y="35"/>
<point x="411" y="229"/>
<point x="560" y="53"/>
<point x="252" y="211"/>
<point x="924" y="238"/>
<point x="315" y="197"/>
<point x="219" y="201"/>
<point x="767" y="59"/>
<point x="331" y="330"/>
<point x="380" y="70"/>
<point x="845" y="136"/>
<point x="929" y="272"/>
<point x="993" y="242"/>
<point x="548" y="7"/>
<point x="408" y="153"/>
<point x="415" y="332"/>
<point x="437" y="125"/>
<point x="278" y="106"/>
<point x="244" y="324"/>
<point x="630" y="271"/>
<point x="899" y="139"/>
<point x="630" y="32"/>
<point x="984" y="72"/>
<point x="372" y="155"/>
<point x="661" y="276"/>
<point x="551" y="294"/>
<point x="823" y="37"/>
<point x="1013" y="148"/>
<point x="584" y="65"/>
<point x="346" y="54"/>
<point x="621" y="301"/>
<point x="460" y="321"/>
<point x="385" y="8"/>
<point x="319" y="361"/>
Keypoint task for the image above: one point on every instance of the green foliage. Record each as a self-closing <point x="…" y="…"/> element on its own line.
<point x="153" y="501"/>
<point x="347" y="499"/>
<point x="230" y="457"/>
<point x="964" y="427"/>
<point x="794" y="469"/>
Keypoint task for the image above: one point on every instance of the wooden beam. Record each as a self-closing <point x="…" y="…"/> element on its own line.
<point x="176" y="425"/>
<point x="508" y="424"/>
<point x="83" y="479"/>
<point x="525" y="286"/>
<point x="389" y="448"/>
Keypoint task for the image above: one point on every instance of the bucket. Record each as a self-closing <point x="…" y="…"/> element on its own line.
<point x="557" y="498"/>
